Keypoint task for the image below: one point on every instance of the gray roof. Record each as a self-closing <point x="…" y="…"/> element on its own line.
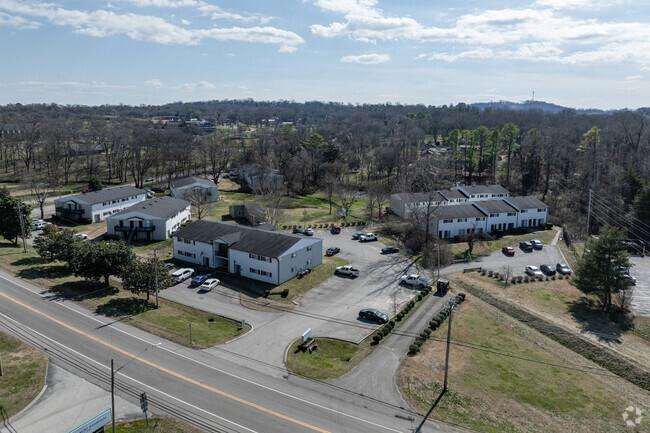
<point x="527" y="202"/>
<point x="495" y="206"/>
<point x="421" y="197"/>
<point x="189" y="180"/>
<point x="458" y="211"/>
<point x="452" y="194"/>
<point x="240" y="238"/>
<point x="160" y="207"/>
<point x="107" y="194"/>
<point x="254" y="209"/>
<point x="484" y="189"/>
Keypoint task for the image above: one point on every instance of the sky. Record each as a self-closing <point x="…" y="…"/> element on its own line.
<point x="575" y="53"/>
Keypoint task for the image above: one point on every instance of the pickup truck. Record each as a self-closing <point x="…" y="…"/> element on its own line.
<point x="347" y="270"/>
<point x="414" y="280"/>
<point x="368" y="237"/>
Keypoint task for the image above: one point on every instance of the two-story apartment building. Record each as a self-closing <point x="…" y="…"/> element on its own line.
<point x="482" y="192"/>
<point x="181" y="186"/>
<point x="531" y="211"/>
<point x="458" y="220"/>
<point x="262" y="255"/>
<point x="500" y="215"/>
<point x="151" y="220"/>
<point x="96" y="206"/>
<point x="257" y="178"/>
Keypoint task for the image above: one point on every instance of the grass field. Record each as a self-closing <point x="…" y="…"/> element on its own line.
<point x="495" y="393"/>
<point x="23" y="375"/>
<point x="332" y="359"/>
<point x="156" y="425"/>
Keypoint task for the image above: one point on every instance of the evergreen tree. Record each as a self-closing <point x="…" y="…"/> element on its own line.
<point x="95" y="184"/>
<point x="94" y="261"/>
<point x="10" y="217"/>
<point x="599" y="268"/>
<point x="140" y="276"/>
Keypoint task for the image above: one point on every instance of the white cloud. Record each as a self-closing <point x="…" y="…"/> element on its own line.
<point x="576" y="4"/>
<point x="536" y="34"/>
<point x="101" y="23"/>
<point x="154" y="82"/>
<point x="479" y="53"/>
<point x="633" y="77"/>
<point x="213" y="10"/>
<point x="366" y="59"/>
<point x="201" y="85"/>
<point x="18" y="22"/>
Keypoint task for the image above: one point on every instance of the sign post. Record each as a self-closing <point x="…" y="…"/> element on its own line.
<point x="144" y="404"/>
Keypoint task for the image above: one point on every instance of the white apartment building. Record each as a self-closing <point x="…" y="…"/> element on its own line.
<point x="96" y="206"/>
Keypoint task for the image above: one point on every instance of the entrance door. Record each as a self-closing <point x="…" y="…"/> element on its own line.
<point x="206" y="261"/>
<point x="238" y="269"/>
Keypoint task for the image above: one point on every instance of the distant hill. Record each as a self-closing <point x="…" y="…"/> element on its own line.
<point x="533" y="105"/>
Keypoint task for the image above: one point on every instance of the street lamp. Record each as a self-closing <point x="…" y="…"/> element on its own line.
<point x="114" y="372"/>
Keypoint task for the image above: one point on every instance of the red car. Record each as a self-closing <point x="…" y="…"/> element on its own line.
<point x="508" y="251"/>
<point x="85" y="190"/>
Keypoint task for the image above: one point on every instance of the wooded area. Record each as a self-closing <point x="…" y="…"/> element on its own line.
<point x="336" y="148"/>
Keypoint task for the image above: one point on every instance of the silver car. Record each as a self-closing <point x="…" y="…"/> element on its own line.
<point x="534" y="271"/>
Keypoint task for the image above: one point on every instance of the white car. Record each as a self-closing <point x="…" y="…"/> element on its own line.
<point x="534" y="271"/>
<point x="182" y="274"/>
<point x="39" y="224"/>
<point x="209" y="284"/>
<point x="81" y="235"/>
<point x="309" y="232"/>
<point x="368" y="237"/>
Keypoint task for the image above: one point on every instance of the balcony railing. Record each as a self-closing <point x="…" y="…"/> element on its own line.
<point x="136" y="228"/>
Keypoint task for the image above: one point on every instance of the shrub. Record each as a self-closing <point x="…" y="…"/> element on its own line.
<point x="400" y="316"/>
<point x="433" y="326"/>
<point x="391" y="323"/>
<point x="526" y="279"/>
<point x="419" y="298"/>
<point x="553" y="278"/>
<point x="386" y="330"/>
<point x="427" y="331"/>
<point x="376" y="338"/>
<point x="423" y="335"/>
<point x="490" y="273"/>
<point x="483" y="272"/>
<point x="462" y="295"/>
<point x="413" y="349"/>
<point x="419" y="341"/>
<point x="411" y="304"/>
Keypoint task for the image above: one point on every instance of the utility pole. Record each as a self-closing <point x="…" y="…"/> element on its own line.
<point x="22" y="227"/>
<point x="112" y="395"/>
<point x="155" y="264"/>
<point x="452" y="305"/>
<point x="589" y="213"/>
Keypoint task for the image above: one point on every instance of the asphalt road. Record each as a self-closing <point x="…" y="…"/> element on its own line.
<point x="202" y="387"/>
<point x="641" y="295"/>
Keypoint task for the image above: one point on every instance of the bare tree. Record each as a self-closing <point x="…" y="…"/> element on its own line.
<point x="377" y="198"/>
<point x="218" y="152"/>
<point x="273" y="203"/>
<point x="506" y="271"/>
<point x="346" y="198"/>
<point x="198" y="199"/>
<point x="38" y="186"/>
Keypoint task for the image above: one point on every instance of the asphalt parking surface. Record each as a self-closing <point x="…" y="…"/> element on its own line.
<point x="497" y="261"/>
<point x="641" y="296"/>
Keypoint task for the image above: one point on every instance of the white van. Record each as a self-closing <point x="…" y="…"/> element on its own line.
<point x="182" y="274"/>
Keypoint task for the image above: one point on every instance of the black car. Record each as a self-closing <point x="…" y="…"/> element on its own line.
<point x="526" y="246"/>
<point x="389" y="250"/>
<point x="332" y="251"/>
<point x="298" y="231"/>
<point x="563" y="269"/>
<point x="547" y="269"/>
<point x="374" y="315"/>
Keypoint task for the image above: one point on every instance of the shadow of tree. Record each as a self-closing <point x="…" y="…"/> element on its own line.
<point x="28" y="261"/>
<point x="44" y="271"/>
<point x="78" y="290"/>
<point x="606" y="327"/>
<point x="124" y="307"/>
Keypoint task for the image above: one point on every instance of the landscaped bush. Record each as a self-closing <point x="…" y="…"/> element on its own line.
<point x="400" y="315"/>
<point x="414" y="349"/>
<point x="419" y="297"/>
<point x="490" y="273"/>
<point x="433" y="326"/>
<point x="427" y="331"/>
<point x="411" y="304"/>
<point x="284" y="227"/>
<point x="526" y="279"/>
<point x="376" y="338"/>
<point x="483" y="272"/>
<point x="462" y="295"/>
<point x="553" y="278"/>
<point x="419" y="341"/>
<point x="423" y="335"/>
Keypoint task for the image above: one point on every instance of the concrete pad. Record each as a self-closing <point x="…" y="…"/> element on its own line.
<point x="67" y="402"/>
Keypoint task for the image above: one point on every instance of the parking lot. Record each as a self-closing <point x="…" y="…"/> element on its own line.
<point x="641" y="298"/>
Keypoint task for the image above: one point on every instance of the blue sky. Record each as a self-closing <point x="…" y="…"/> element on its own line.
<point x="577" y="53"/>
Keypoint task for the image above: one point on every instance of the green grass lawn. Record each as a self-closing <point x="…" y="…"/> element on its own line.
<point x="332" y="359"/>
<point x="156" y="425"/>
<point x="23" y="375"/>
<point x="495" y="393"/>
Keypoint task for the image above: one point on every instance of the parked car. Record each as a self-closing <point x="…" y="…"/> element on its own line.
<point x="508" y="251"/>
<point x="389" y="250"/>
<point x="347" y="270"/>
<point x="563" y="269"/>
<point x="336" y="230"/>
<point x="547" y="269"/>
<point x="198" y="280"/>
<point x="182" y="274"/>
<point x="209" y="284"/>
<point x="414" y="280"/>
<point x="526" y="246"/>
<point x="149" y="193"/>
<point x="85" y="190"/>
<point x="537" y="244"/>
<point x="625" y="275"/>
<point x="368" y="237"/>
<point x="169" y="266"/>
<point x="81" y="235"/>
<point x="309" y="232"/>
<point x="534" y="271"/>
<point x="374" y="315"/>
<point x="158" y="190"/>
<point x="298" y="231"/>
<point x="333" y="250"/>
<point x="357" y="235"/>
<point x="39" y="225"/>
<point x="149" y="179"/>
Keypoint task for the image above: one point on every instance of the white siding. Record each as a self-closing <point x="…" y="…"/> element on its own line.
<point x="197" y="251"/>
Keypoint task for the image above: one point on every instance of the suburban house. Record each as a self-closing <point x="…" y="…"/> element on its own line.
<point x="98" y="205"/>
<point x="151" y="220"/>
<point x="258" y="178"/>
<point x="252" y="213"/>
<point x="262" y="255"/>
<point x="181" y="186"/>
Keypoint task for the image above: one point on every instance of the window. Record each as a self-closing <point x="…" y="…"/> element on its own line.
<point x="293" y="255"/>
<point x="308" y="248"/>
<point x="447" y="221"/>
<point x="494" y="215"/>
<point x="524" y="210"/>
<point x="480" y="219"/>
<point x="512" y="213"/>
<point x="541" y="210"/>
<point x="462" y="220"/>
<point x="252" y="270"/>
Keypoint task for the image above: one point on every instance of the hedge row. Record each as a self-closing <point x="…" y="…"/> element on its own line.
<point x="326" y="225"/>
<point x="434" y="324"/>
<point x="399" y="317"/>
<point x="602" y="356"/>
